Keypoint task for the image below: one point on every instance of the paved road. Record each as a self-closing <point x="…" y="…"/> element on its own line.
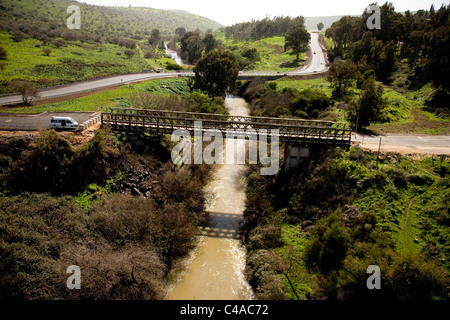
<point x="88" y="86"/>
<point x="318" y="62"/>
<point x="316" y="65"/>
<point x="406" y="143"/>
<point x="42" y="120"/>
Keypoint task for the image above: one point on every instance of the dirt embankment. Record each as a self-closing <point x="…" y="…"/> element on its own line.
<point x="416" y="153"/>
<point x="76" y="138"/>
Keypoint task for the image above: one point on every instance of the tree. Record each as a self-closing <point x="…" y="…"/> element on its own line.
<point x="342" y="73"/>
<point x="343" y="32"/>
<point x="28" y="91"/>
<point x="216" y="72"/>
<point x="328" y="244"/>
<point x="179" y="32"/>
<point x="210" y="43"/>
<point x="297" y="38"/>
<point x="130" y="53"/>
<point x="435" y="47"/>
<point x="3" y="54"/>
<point x="320" y="26"/>
<point x="154" y="37"/>
<point x="47" y="51"/>
<point x="192" y="44"/>
<point x="368" y="106"/>
<point x="432" y="11"/>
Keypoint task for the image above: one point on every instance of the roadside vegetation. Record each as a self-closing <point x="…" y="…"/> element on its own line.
<point x="165" y="94"/>
<point x="266" y="54"/>
<point x="271" y="44"/>
<point x="401" y="111"/>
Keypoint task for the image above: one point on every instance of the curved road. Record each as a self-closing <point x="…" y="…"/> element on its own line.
<point x="317" y="64"/>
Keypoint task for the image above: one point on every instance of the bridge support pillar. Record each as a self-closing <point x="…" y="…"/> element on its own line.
<point x="294" y="155"/>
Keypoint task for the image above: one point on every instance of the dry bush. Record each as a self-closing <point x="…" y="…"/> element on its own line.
<point x="144" y="100"/>
<point x="131" y="273"/>
<point x="178" y="233"/>
<point x="180" y="185"/>
<point x="123" y="219"/>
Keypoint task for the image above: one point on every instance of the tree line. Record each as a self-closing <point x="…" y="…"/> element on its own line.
<point x="421" y="39"/>
<point x="265" y="28"/>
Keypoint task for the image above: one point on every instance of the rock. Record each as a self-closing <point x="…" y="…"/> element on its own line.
<point x="136" y="192"/>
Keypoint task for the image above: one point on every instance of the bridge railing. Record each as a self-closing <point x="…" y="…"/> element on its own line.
<point x="221" y="117"/>
<point x="165" y="122"/>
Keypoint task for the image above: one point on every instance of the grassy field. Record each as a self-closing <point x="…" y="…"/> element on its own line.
<point x="405" y="112"/>
<point x="111" y="98"/>
<point x="301" y="85"/>
<point x="73" y="62"/>
<point x="271" y="52"/>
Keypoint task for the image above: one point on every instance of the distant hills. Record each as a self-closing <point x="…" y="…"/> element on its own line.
<point x="100" y="20"/>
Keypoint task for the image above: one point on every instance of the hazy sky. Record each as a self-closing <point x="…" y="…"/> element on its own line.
<point x="228" y="12"/>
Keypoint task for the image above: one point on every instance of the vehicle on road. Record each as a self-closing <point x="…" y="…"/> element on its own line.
<point x="63" y="123"/>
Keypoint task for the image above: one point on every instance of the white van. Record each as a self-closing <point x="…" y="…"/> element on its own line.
<point x="60" y="123"/>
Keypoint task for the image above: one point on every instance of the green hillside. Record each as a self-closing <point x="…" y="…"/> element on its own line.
<point x="37" y="45"/>
<point x="41" y="15"/>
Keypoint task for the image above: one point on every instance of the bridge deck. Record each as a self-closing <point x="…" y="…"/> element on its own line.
<point x="166" y="122"/>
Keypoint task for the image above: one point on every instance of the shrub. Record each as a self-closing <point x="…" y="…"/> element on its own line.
<point x="131" y="273"/>
<point x="129" y="53"/>
<point x="47" y="51"/>
<point x="3" y="54"/>
<point x="27" y="89"/>
<point x="173" y="66"/>
<point x="330" y="240"/>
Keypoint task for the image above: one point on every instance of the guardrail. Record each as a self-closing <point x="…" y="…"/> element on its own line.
<point x="89" y="123"/>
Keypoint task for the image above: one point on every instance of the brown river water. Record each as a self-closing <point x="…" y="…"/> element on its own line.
<point x="215" y="269"/>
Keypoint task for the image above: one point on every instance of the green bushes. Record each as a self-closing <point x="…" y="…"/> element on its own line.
<point x="173" y="66"/>
<point x="339" y="214"/>
<point x="403" y="277"/>
<point x="330" y="240"/>
<point x="53" y="165"/>
<point x="267" y="100"/>
<point x="310" y="101"/>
